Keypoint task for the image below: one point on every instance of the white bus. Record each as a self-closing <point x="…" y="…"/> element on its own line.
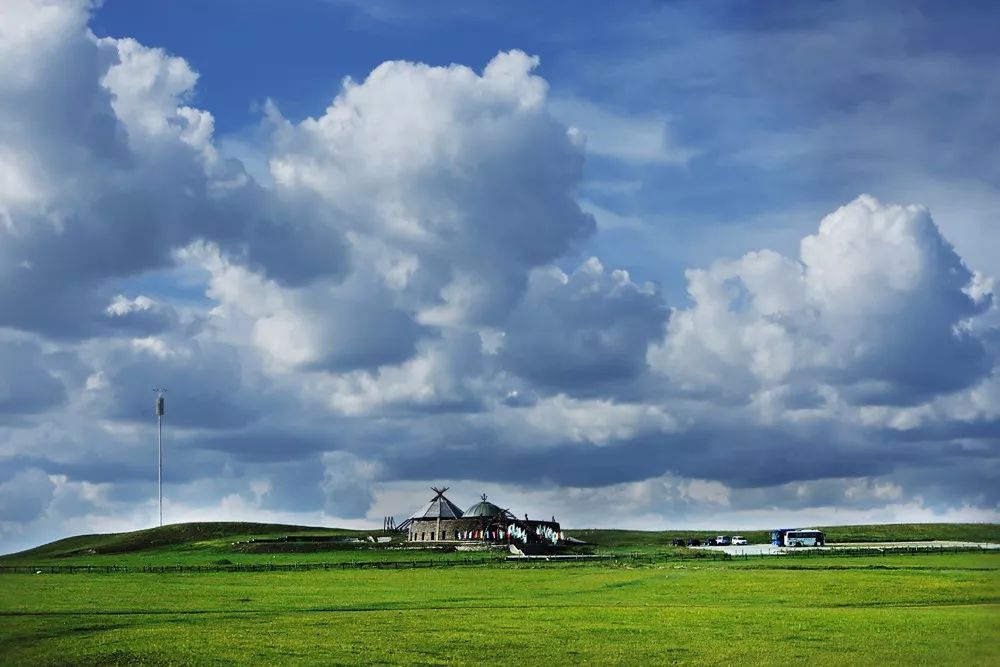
<point x="806" y="537"/>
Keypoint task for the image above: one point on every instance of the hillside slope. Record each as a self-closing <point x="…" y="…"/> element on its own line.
<point x="181" y="535"/>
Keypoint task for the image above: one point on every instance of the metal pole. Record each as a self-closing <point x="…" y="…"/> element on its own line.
<point x="159" y="463"/>
<point x="159" y="448"/>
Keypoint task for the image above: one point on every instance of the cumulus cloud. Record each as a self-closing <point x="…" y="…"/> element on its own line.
<point x="576" y="332"/>
<point x="445" y="375"/>
<point x="108" y="171"/>
<point x="560" y="419"/>
<point x="141" y="315"/>
<point x="463" y="181"/>
<point x="386" y="306"/>
<point x="878" y="305"/>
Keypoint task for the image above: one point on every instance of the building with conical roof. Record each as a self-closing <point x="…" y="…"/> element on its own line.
<point x="440" y="507"/>
<point x="442" y="521"/>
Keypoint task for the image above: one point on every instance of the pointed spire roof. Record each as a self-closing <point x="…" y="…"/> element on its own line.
<point x="440" y="507"/>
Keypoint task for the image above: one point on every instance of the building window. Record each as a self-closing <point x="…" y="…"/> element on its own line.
<point x="422" y="537"/>
<point x="432" y="536"/>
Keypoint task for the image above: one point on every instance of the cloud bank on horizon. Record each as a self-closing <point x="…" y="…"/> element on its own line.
<point x="401" y="290"/>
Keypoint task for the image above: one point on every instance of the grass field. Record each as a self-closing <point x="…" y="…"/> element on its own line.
<point x="935" y="608"/>
<point x="881" y="609"/>
<point x="223" y="543"/>
<point x="897" y="532"/>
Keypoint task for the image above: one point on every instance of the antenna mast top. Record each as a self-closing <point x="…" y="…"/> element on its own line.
<point x="160" y="391"/>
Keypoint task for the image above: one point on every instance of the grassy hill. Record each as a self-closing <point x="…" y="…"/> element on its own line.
<point x="226" y="542"/>
<point x="154" y="538"/>
<point x="191" y="543"/>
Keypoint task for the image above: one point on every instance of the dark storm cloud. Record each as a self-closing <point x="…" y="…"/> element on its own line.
<point x="25" y="495"/>
<point x="206" y="379"/>
<point x="269" y="444"/>
<point x="26" y="385"/>
<point x="735" y="457"/>
<point x="294" y="485"/>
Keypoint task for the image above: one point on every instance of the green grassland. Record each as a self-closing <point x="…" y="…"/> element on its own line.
<point x="230" y="543"/>
<point x="914" y="609"/>
<point x="256" y="543"/>
<point x="897" y="532"/>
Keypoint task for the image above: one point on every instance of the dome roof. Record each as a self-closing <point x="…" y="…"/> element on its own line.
<point x="483" y="508"/>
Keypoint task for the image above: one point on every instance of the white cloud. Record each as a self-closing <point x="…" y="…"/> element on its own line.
<point x="148" y="89"/>
<point x="876" y="306"/>
<point x="598" y="422"/>
<point x="443" y="374"/>
<point x="386" y="304"/>
<point x="466" y="175"/>
<point x="642" y="139"/>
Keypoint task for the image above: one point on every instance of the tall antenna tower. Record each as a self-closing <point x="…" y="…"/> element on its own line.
<point x="160" y="391"/>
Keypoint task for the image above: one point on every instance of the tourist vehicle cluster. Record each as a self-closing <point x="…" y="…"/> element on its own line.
<point x="781" y="537"/>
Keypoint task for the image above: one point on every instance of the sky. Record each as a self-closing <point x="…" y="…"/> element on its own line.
<point x="661" y="265"/>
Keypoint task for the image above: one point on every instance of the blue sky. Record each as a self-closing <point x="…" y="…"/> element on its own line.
<point x="765" y="114"/>
<point x="719" y="263"/>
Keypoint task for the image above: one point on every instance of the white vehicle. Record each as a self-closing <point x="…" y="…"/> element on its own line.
<point x="805" y="537"/>
<point x="739" y="540"/>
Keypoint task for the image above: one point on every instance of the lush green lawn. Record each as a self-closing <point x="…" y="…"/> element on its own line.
<point x="893" y="609"/>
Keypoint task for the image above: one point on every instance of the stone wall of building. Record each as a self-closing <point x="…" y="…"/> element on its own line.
<point x="446" y="530"/>
<point x="431" y="530"/>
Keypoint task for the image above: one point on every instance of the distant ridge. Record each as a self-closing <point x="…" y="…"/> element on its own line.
<point x="214" y="539"/>
<point x="163" y="536"/>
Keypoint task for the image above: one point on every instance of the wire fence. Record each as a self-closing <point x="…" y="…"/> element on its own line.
<point x="238" y="567"/>
<point x="636" y="558"/>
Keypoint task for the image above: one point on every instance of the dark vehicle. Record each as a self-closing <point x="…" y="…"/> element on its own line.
<point x="778" y="536"/>
<point x="709" y="542"/>
<point x="694" y="542"/>
<point x="677" y="542"/>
